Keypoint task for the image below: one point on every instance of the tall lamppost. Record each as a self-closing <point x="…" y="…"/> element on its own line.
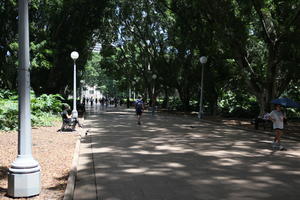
<point x="74" y="56"/>
<point x="24" y="175"/>
<point x="154" y="76"/>
<point x="203" y="60"/>
<point x="81" y="90"/>
<point x="133" y="87"/>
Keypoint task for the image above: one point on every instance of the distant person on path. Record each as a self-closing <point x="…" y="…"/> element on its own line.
<point x="83" y="100"/>
<point x="277" y="117"/>
<point x="139" y="107"/>
<point x="128" y="102"/>
<point x="92" y="101"/>
<point x="102" y="101"/>
<point x="106" y="103"/>
<point x="116" y="102"/>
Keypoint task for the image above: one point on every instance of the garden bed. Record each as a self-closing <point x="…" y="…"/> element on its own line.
<point x="54" y="152"/>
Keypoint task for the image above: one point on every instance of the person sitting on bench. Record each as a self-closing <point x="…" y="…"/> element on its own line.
<point x="67" y="119"/>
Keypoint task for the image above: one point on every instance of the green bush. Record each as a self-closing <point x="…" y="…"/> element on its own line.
<point x="8" y="114"/>
<point x="45" y="119"/>
<point x="46" y="103"/>
<point x="44" y="110"/>
<point x="238" y="104"/>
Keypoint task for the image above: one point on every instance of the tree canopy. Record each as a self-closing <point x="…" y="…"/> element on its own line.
<point x="252" y="48"/>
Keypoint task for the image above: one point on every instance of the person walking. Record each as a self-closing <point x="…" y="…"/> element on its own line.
<point x="139" y="108"/>
<point x="102" y="101"/>
<point x="92" y="101"/>
<point x="277" y="117"/>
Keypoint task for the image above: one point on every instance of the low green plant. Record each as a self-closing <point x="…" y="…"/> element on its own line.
<point x="8" y="114"/>
<point x="46" y="119"/>
<point x="46" y="103"/>
<point x="238" y="104"/>
<point x="44" y="110"/>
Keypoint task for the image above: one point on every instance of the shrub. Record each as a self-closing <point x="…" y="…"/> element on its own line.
<point x="46" y="103"/>
<point x="8" y="114"/>
<point x="44" y="110"/>
<point x="45" y="119"/>
<point x="233" y="104"/>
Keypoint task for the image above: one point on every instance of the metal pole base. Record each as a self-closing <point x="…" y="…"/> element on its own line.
<point x="24" y="185"/>
<point x="74" y="114"/>
<point x="24" y="177"/>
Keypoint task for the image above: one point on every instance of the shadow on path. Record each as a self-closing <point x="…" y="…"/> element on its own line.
<point x="169" y="157"/>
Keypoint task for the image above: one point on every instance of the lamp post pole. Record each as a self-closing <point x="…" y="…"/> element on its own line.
<point x="81" y="90"/>
<point x="203" y="60"/>
<point x="24" y="175"/>
<point x="129" y="92"/>
<point x="133" y="87"/>
<point x="74" y="56"/>
<point x="154" y="76"/>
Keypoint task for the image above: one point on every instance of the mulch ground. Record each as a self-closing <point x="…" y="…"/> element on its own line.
<point x="54" y="152"/>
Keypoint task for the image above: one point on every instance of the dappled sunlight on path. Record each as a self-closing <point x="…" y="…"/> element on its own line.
<point x="169" y="157"/>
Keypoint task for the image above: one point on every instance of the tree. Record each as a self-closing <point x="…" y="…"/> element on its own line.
<point x="263" y="38"/>
<point x="57" y="27"/>
<point x="8" y="44"/>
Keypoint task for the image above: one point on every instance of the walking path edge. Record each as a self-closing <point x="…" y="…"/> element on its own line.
<point x="69" y="192"/>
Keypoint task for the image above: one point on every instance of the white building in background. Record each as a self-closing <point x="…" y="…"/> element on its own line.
<point x="91" y="92"/>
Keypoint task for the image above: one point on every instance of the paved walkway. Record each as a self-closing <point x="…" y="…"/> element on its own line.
<point x="177" y="158"/>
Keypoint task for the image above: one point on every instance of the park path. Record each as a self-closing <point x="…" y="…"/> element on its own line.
<point x="178" y="158"/>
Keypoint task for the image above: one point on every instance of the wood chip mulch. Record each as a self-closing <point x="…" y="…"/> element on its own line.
<point x="54" y="152"/>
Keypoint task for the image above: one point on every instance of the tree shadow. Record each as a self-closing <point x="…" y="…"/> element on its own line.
<point x="3" y="191"/>
<point x="3" y="172"/>
<point x="60" y="186"/>
<point x="179" y="158"/>
<point x="3" y="175"/>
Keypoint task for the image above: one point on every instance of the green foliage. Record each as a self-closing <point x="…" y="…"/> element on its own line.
<point x="7" y="94"/>
<point x="47" y="103"/>
<point x="238" y="104"/>
<point x="251" y="46"/>
<point x="8" y="114"/>
<point x="57" y="27"/>
<point x="44" y="110"/>
<point x="95" y="75"/>
<point x="44" y="119"/>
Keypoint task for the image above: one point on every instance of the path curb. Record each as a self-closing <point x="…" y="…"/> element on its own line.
<point x="69" y="192"/>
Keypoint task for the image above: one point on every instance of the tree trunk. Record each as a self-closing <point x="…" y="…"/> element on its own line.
<point x="265" y="97"/>
<point x="166" y="99"/>
<point x="184" y="97"/>
<point x="264" y="88"/>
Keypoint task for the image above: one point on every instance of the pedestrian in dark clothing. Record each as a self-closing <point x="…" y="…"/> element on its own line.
<point x="67" y="118"/>
<point x="139" y="108"/>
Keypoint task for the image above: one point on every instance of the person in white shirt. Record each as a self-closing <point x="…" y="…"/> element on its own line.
<point x="277" y="117"/>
